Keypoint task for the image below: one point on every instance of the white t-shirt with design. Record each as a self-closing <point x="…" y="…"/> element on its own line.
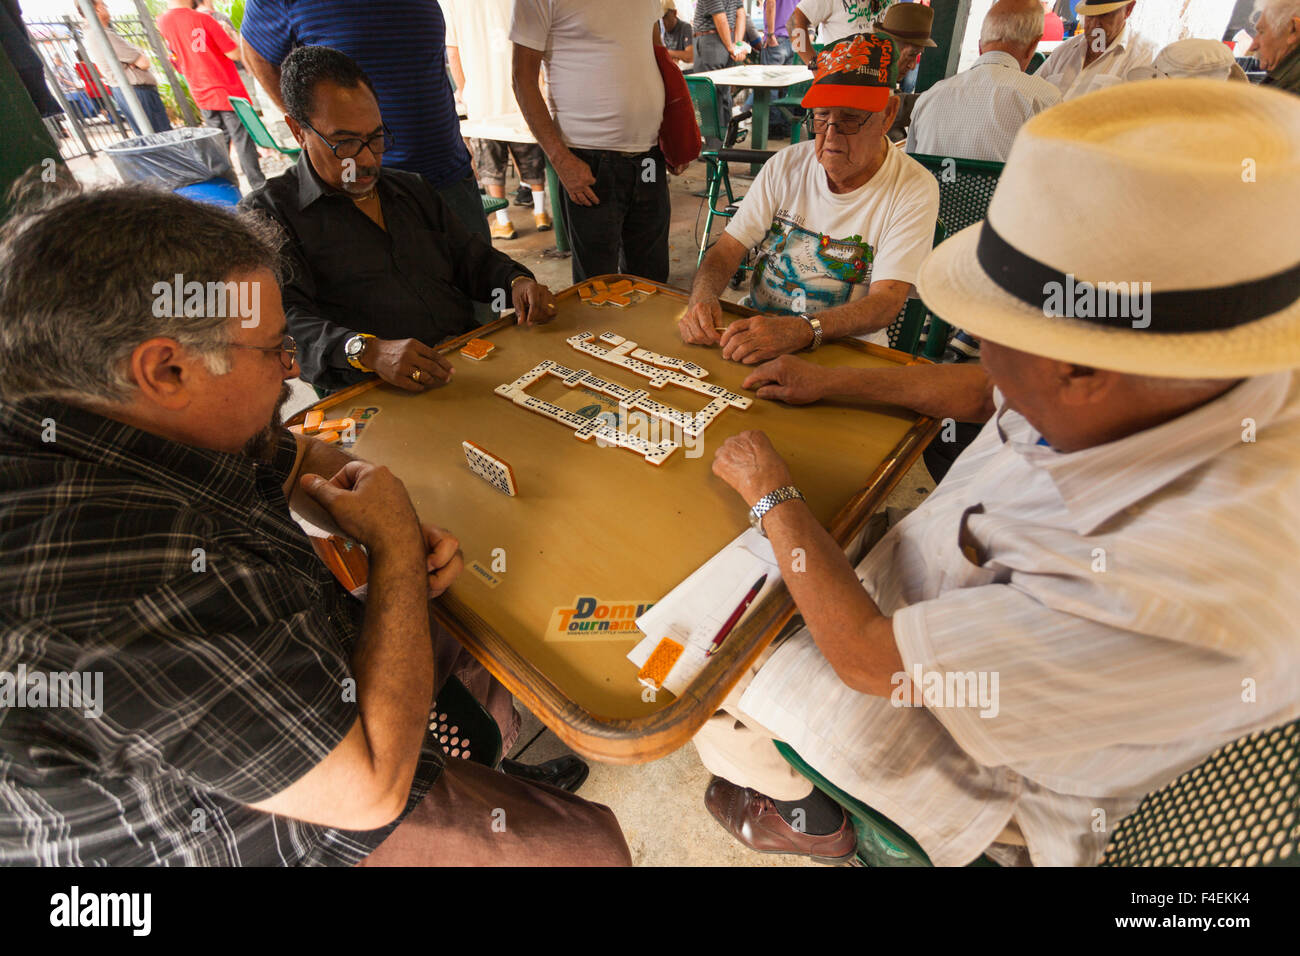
<point x="820" y="249"/>
<point x="605" y="87"/>
<point x="841" y="18"/>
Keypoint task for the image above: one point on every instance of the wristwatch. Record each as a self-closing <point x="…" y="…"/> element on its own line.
<point x="770" y="501"/>
<point x="353" y="348"/>
<point x="816" y="325"/>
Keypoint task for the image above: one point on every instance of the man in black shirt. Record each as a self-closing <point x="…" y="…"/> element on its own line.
<point x="382" y="270"/>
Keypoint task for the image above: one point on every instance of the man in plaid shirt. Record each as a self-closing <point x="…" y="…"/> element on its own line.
<point x="252" y="711"/>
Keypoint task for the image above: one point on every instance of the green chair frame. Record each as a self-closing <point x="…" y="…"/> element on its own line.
<point x="881" y="842"/>
<point x="492" y="203"/>
<point x="718" y="179"/>
<point x="1240" y="806"/>
<point x="257" y="129"/>
<point x="910" y="332"/>
<point x="704" y="97"/>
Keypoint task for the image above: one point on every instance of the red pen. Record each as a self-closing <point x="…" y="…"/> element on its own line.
<point x="736" y="615"/>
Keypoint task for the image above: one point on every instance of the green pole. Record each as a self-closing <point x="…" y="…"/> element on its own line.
<point x="949" y="31"/>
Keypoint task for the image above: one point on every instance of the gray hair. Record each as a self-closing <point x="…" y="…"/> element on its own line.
<point x="1017" y="27"/>
<point x="1278" y="12"/>
<point x="77" y="277"/>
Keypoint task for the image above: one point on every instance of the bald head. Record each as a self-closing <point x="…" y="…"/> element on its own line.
<point x="1013" y="27"/>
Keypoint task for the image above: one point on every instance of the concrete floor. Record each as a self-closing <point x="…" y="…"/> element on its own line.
<point x="660" y="805"/>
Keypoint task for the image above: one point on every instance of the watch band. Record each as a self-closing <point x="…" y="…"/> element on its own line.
<point x="770" y="501"/>
<point x="816" y="325"/>
<point x="354" y="360"/>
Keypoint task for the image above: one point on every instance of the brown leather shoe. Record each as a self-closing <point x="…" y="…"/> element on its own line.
<point x="753" y="819"/>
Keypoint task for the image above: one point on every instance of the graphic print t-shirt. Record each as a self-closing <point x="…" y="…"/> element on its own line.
<point x="818" y="249"/>
<point x="842" y="18"/>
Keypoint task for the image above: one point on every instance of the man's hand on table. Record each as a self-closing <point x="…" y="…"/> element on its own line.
<point x="699" y="326"/>
<point x="749" y="464"/>
<point x="794" y="381"/>
<point x="533" y="302"/>
<point x="406" y="363"/>
<point x="761" y="338"/>
<point x="577" y="179"/>
<point x="443" y="559"/>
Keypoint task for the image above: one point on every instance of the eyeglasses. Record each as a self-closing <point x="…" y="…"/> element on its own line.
<point x="351" y="148"/>
<point x="288" y="349"/>
<point x="847" y="127"/>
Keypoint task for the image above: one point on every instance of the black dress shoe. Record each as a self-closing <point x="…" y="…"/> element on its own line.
<point x="568" y="773"/>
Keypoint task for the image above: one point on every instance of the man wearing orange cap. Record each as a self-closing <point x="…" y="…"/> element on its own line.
<point x="840" y="223"/>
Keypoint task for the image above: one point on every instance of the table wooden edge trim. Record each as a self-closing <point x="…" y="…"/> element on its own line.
<point x="642" y="739"/>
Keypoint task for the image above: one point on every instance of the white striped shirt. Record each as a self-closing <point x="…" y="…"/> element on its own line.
<point x="976" y="114"/>
<point x="1110" y="682"/>
<point x="1065" y="70"/>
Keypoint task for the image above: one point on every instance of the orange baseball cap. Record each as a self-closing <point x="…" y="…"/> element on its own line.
<point x="858" y="72"/>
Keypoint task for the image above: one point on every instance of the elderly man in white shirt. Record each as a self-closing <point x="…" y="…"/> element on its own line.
<point x="976" y="114"/>
<point x="839" y="223"/>
<point x="1101" y="591"/>
<point x="1102" y="54"/>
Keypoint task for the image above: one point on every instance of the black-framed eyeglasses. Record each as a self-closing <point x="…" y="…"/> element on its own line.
<point x="847" y="127"/>
<point x="351" y="148"/>
<point x="288" y="350"/>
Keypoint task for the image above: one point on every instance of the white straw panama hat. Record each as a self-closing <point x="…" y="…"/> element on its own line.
<point x="1192" y="186"/>
<point x="1099" y="8"/>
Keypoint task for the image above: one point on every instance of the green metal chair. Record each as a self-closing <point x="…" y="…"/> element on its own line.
<point x="492" y="203"/>
<point x="881" y="842"/>
<point x="917" y="330"/>
<point x="965" y="188"/>
<point x="704" y="97"/>
<point x="790" y="99"/>
<point x="257" y="129"/>
<point x="717" y="180"/>
<point x="1035" y="61"/>
<point x="1240" y="807"/>
<point x="463" y="727"/>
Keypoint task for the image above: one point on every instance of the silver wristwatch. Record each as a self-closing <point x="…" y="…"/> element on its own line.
<point x="816" y="324"/>
<point x="770" y="501"/>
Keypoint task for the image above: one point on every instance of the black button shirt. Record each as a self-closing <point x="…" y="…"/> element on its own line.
<point x="222" y="642"/>
<point x="416" y="278"/>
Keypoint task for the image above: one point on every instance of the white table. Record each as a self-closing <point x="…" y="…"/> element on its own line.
<point x="762" y="80"/>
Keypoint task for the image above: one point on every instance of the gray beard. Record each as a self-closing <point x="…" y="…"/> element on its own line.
<point x="262" y="445"/>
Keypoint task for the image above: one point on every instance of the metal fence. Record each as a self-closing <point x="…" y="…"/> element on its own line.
<point x="95" y="114"/>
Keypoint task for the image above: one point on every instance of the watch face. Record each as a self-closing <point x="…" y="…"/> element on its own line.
<point x="354" y="345"/>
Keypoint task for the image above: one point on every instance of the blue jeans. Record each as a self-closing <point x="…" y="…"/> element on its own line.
<point x="778" y="123"/>
<point x="710" y="54"/>
<point x="628" y="230"/>
<point x="153" y="109"/>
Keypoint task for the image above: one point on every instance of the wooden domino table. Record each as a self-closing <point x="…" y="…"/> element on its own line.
<point x="554" y="576"/>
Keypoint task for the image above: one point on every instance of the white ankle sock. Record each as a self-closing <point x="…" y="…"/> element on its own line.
<point x="539" y="201"/>
<point x="503" y="217"/>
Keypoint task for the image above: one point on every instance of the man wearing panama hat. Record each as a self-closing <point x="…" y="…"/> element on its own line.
<point x="1102" y="54"/>
<point x="1101" y="591"/>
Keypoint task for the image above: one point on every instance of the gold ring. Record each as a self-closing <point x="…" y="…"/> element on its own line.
<point x="415" y="376"/>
